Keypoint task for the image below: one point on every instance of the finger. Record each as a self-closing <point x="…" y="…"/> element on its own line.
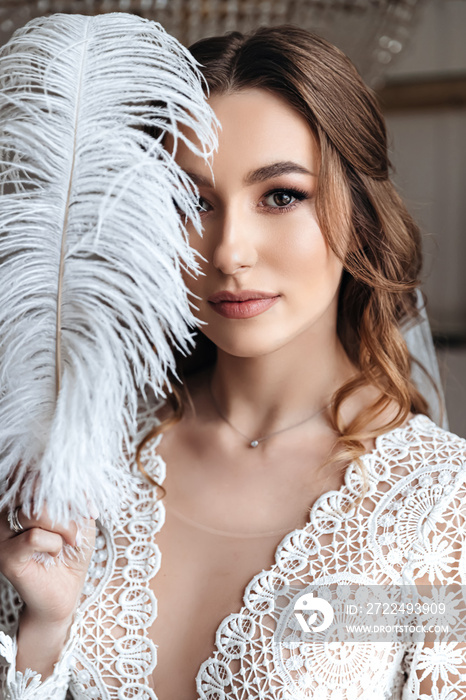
<point x="17" y="552"/>
<point x="43" y="522"/>
<point x="6" y="531"/>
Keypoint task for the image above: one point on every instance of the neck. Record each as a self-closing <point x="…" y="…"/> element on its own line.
<point x="263" y="394"/>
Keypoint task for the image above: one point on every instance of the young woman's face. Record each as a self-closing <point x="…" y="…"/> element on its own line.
<point x="260" y="231"/>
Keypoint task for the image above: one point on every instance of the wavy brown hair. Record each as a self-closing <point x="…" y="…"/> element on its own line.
<point x="360" y="214"/>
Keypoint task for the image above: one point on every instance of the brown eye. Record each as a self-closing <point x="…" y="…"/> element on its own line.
<point x="280" y="199"/>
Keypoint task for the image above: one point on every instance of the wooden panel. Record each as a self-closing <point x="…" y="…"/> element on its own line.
<point x="424" y="93"/>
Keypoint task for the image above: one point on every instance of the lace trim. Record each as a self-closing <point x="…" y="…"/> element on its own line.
<point x="124" y="562"/>
<point x="115" y="657"/>
<point x="248" y="652"/>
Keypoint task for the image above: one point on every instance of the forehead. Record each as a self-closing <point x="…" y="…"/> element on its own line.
<point x="257" y="128"/>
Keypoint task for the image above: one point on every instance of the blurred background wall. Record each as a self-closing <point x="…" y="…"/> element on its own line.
<point x="413" y="53"/>
<point x="425" y="107"/>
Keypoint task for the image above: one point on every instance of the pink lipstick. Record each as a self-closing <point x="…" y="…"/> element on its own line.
<point x="244" y="304"/>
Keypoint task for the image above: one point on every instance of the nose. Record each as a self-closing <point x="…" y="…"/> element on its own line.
<point x="234" y="248"/>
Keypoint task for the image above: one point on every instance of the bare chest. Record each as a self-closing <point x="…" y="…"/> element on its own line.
<point x="201" y="581"/>
<point x="223" y="525"/>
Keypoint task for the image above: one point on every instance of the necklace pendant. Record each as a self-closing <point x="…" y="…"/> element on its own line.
<point x="254" y="443"/>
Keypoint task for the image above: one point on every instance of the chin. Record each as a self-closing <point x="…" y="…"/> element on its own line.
<point x="242" y="346"/>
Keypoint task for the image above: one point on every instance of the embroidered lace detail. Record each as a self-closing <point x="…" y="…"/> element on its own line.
<point x="409" y="528"/>
<point x="120" y="607"/>
<point x="410" y="524"/>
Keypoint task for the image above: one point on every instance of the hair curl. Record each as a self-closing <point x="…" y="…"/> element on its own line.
<point x="381" y="244"/>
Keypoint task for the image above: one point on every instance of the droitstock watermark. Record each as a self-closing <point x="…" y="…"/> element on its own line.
<point x="350" y="612"/>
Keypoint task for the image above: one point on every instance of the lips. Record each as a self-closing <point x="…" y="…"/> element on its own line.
<point x="245" y="304"/>
<point x="244" y="295"/>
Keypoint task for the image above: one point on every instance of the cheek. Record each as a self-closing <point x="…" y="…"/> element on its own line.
<point x="306" y="262"/>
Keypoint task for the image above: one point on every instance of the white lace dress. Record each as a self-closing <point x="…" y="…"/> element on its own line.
<point x="409" y="529"/>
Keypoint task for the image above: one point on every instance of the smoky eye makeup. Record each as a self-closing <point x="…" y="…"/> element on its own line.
<point x="281" y="199"/>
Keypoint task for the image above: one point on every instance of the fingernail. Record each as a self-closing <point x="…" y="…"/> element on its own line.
<point x="79" y="538"/>
<point x="93" y="512"/>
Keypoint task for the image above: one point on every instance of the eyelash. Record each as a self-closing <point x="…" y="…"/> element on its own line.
<point x="297" y="194"/>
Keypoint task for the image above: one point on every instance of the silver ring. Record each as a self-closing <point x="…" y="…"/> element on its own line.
<point x="13" y="521"/>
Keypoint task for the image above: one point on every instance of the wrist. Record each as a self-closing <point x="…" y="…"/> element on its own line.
<point x="32" y="619"/>
<point x="40" y="642"/>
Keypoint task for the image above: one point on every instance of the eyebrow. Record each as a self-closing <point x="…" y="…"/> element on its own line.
<point x="266" y="172"/>
<point x="275" y="170"/>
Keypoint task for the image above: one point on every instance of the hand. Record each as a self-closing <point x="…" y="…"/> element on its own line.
<point x="51" y="593"/>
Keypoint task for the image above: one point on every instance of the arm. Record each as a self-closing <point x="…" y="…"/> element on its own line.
<point x="35" y="636"/>
<point x="28" y="685"/>
<point x="38" y="632"/>
<point x="436" y="669"/>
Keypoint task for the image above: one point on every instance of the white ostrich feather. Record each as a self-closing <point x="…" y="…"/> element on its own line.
<point x="92" y="247"/>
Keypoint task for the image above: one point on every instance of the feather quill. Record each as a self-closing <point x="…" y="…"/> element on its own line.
<point x="92" y="248"/>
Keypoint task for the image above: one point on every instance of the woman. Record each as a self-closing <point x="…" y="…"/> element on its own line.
<point x="298" y="449"/>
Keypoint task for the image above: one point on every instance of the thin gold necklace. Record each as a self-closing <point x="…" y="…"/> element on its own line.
<point x="255" y="442"/>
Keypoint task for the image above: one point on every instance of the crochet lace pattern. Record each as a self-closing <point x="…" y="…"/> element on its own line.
<point x="409" y="528"/>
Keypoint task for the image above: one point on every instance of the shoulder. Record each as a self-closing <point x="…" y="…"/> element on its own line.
<point x="420" y="460"/>
<point x="423" y="461"/>
<point x="422" y="445"/>
<point x="420" y="520"/>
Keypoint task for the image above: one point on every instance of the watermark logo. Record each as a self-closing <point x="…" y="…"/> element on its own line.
<point x="312" y="605"/>
<point x="350" y="612"/>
